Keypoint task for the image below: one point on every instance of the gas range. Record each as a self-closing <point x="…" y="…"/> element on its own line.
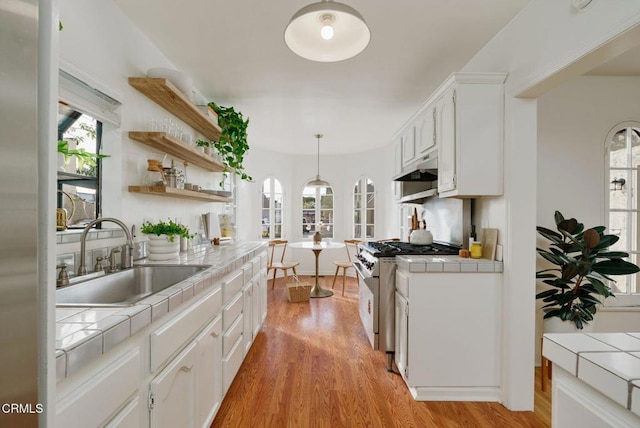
<point x="371" y="252"/>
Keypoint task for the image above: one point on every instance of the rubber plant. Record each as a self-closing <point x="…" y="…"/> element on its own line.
<point x="583" y="267"/>
<point x="232" y="144"/>
<point x="171" y="229"/>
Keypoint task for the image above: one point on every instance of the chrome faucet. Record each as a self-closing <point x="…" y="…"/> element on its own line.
<point x="127" y="248"/>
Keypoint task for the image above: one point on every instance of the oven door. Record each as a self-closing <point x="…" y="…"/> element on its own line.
<point x="368" y="290"/>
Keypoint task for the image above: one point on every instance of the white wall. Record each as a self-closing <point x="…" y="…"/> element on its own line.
<point x="100" y="46"/>
<point x="548" y="42"/>
<point x="573" y="122"/>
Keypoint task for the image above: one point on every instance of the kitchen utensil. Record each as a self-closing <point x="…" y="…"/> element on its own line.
<point x="421" y="236"/>
<point x="489" y="243"/>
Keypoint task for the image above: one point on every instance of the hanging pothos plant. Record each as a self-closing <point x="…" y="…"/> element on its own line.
<point x="232" y="144"/>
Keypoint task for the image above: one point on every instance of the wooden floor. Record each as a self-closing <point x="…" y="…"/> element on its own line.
<point x="312" y="366"/>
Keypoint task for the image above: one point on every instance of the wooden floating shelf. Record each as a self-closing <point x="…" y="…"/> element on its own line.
<point x="165" y="94"/>
<point x="170" y="145"/>
<point x="173" y="192"/>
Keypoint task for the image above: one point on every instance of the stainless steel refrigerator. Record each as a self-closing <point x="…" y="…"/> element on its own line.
<point x="27" y="57"/>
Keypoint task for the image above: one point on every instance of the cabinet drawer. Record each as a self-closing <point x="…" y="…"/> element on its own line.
<point x="231" y="336"/>
<point x="98" y="398"/>
<point x="231" y="311"/>
<point x="231" y="285"/>
<point x="230" y="365"/>
<point x="402" y="284"/>
<point x="263" y="260"/>
<point x="257" y="265"/>
<point x="247" y="271"/>
<point x="169" y="339"/>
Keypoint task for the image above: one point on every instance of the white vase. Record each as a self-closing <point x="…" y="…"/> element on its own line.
<point x="556" y="325"/>
<point x="160" y="248"/>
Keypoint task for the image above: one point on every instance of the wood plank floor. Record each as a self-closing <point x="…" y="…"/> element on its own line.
<point x="312" y="366"/>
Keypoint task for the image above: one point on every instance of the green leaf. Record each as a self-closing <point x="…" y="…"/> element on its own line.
<point x="546" y="293"/>
<point x="615" y="267"/>
<point x="614" y="254"/>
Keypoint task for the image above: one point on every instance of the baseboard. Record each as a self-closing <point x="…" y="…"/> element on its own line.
<point x="488" y="393"/>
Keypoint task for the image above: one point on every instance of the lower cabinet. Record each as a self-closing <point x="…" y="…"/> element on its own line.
<point x="104" y="396"/>
<point x="172" y="395"/>
<point x="176" y="371"/>
<point x="448" y="331"/>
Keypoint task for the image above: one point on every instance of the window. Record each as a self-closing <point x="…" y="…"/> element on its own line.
<point x="363" y="209"/>
<point x="271" y="227"/>
<point x="79" y="173"/>
<point x="623" y="162"/>
<point x="317" y="212"/>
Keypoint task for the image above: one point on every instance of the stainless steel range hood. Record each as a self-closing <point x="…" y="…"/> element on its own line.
<point x="419" y="180"/>
<point x="423" y="169"/>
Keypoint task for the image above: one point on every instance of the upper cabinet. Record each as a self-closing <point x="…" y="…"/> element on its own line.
<point x="470" y="107"/>
<point x="425" y="131"/>
<point x="462" y="124"/>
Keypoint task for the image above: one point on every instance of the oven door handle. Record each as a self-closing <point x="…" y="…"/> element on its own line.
<point x="364" y="276"/>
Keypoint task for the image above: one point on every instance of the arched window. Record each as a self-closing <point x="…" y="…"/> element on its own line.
<point x="623" y="164"/>
<point x="363" y="209"/>
<point x="317" y="211"/>
<point x="271" y="212"/>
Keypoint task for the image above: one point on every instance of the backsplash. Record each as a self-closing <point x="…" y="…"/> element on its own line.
<point x="71" y="240"/>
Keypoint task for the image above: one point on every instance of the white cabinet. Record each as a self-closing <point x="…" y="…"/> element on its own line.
<point x="408" y="145"/>
<point x="209" y="372"/>
<point x="128" y="417"/>
<point x="448" y="332"/>
<point x="172" y="396"/>
<point x="470" y="110"/>
<point x="247" y="316"/>
<point x="446" y="108"/>
<point x="397" y="156"/>
<point x="425" y="131"/>
<point x="102" y="396"/>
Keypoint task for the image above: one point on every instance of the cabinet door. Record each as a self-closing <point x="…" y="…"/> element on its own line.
<point x="402" y="338"/>
<point x="247" y="317"/>
<point x="408" y="145"/>
<point x="397" y="155"/>
<point x="257" y="306"/>
<point x="447" y="142"/>
<point x="426" y="131"/>
<point x="173" y="392"/>
<point x="129" y="417"/>
<point x="209" y="373"/>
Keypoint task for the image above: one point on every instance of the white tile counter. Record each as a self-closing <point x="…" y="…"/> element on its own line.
<point x="83" y="334"/>
<point x="417" y="264"/>
<point x="608" y="363"/>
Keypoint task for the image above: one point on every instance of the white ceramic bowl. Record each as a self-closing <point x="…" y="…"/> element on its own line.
<point x="180" y="80"/>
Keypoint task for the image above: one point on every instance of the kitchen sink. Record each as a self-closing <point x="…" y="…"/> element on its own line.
<point x="124" y="288"/>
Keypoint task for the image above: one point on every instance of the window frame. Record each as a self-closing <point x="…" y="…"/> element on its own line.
<point x="363" y="182"/>
<point x="329" y="228"/>
<point x="627" y="299"/>
<point x="271" y="233"/>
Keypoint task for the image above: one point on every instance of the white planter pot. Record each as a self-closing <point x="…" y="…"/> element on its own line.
<point x="160" y="248"/>
<point x="556" y="325"/>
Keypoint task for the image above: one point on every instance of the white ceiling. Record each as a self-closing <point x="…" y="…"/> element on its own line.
<point x="235" y="52"/>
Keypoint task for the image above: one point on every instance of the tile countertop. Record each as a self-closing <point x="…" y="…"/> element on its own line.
<point x="83" y="334"/>
<point x="449" y="264"/>
<point x="608" y="362"/>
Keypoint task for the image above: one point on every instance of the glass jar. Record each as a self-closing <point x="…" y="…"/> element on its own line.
<point x="476" y="250"/>
<point x="154" y="175"/>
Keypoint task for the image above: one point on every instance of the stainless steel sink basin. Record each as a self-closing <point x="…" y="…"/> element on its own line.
<point x="126" y="287"/>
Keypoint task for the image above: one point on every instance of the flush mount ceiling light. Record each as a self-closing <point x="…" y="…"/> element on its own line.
<point x="327" y="31"/>
<point x="318" y="182"/>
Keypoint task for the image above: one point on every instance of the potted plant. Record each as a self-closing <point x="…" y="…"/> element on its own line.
<point x="162" y="242"/>
<point x="206" y="146"/>
<point x="170" y="229"/>
<point x="84" y="158"/>
<point x="583" y="265"/>
<point x="232" y="144"/>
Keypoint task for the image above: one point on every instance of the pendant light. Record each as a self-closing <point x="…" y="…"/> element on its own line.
<point x="327" y="31"/>
<point x="318" y="182"/>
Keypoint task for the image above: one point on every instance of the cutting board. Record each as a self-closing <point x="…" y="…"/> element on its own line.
<point x="489" y="243"/>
